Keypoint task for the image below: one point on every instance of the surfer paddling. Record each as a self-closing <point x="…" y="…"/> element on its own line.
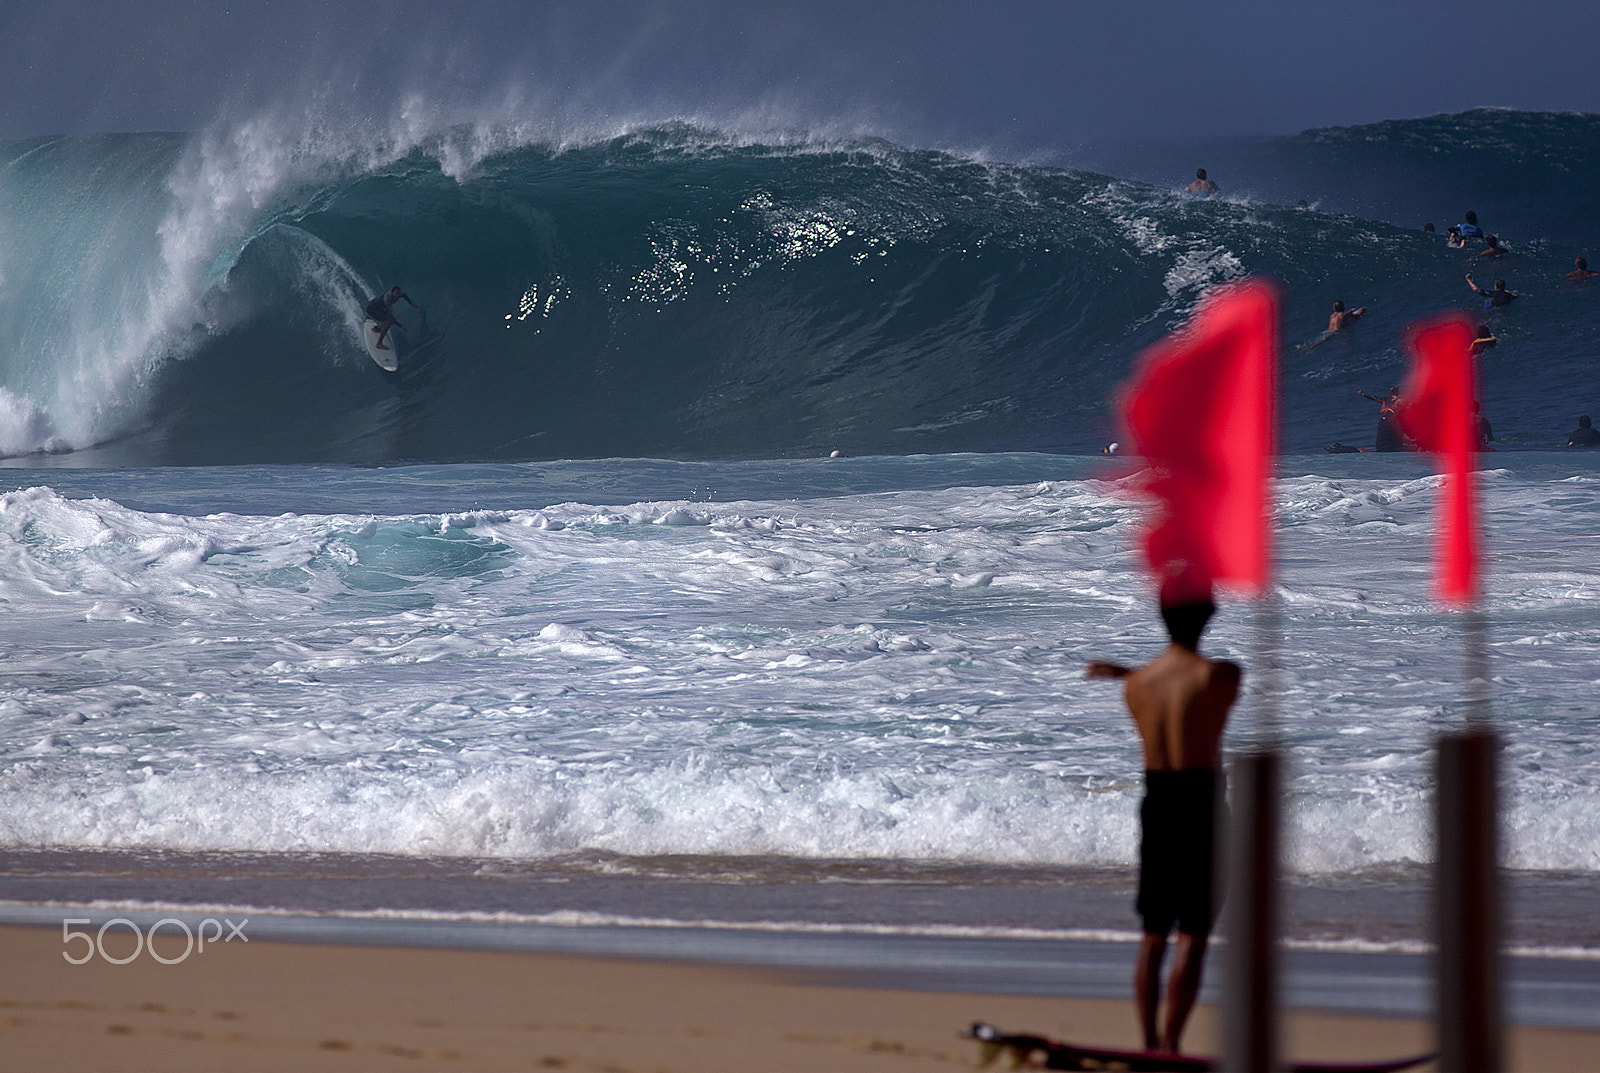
<point x="1342" y="318"/>
<point x="380" y="309"/>
<point x="1179" y="702"/>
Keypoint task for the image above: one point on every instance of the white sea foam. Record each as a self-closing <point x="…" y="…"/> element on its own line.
<point x="893" y="675"/>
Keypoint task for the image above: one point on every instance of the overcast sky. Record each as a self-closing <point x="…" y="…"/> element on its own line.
<point x="1025" y="77"/>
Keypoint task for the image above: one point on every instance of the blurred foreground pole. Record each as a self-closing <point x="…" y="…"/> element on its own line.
<point x="1467" y="885"/>
<point x="1251" y="1029"/>
<point x="1250" y="1026"/>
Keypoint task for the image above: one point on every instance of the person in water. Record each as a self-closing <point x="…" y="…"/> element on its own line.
<point x="1585" y="435"/>
<point x="1493" y="299"/>
<point x="1482" y="430"/>
<point x="1483" y="339"/>
<point x="1470" y="229"/>
<point x="1492" y="248"/>
<point x="380" y="309"/>
<point x="1453" y="238"/>
<point x="1580" y="271"/>
<point x="1179" y="702"/>
<point x="1341" y="318"/>
<point x="1203" y="186"/>
<point x="1390" y="437"/>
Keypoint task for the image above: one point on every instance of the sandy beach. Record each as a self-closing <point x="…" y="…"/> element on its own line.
<point x="267" y="1005"/>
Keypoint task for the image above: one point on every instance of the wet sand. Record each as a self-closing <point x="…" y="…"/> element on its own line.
<point x="270" y="1005"/>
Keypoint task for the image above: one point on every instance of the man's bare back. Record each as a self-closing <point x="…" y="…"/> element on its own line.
<point x="1180" y="702"/>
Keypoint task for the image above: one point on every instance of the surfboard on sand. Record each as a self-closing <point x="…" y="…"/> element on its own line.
<point x="1023" y="1049"/>
<point x="387" y="360"/>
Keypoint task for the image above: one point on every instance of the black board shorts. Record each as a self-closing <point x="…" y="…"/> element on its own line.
<point x="1176" y="845"/>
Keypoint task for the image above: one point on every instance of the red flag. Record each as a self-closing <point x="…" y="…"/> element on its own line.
<point x="1202" y="413"/>
<point x="1436" y="412"/>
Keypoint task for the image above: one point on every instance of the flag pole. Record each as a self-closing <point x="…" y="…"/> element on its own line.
<point x="1438" y="415"/>
<point x="1250" y="1030"/>
<point x="1467" y="888"/>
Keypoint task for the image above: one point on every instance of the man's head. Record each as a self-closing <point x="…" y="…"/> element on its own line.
<point x="1583" y="422"/>
<point x="1187" y="621"/>
<point x="1472" y="217"/>
<point x="1338" y="307"/>
<point x="1499" y="284"/>
<point x="1199" y="173"/>
<point x="1394" y="391"/>
<point x="1582" y="263"/>
<point x="395" y="289"/>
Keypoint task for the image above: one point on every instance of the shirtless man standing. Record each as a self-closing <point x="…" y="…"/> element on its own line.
<point x="1179" y="702"/>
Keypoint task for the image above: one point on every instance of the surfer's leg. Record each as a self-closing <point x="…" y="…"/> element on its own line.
<point x="1147" y="985"/>
<point x="1183" y="986"/>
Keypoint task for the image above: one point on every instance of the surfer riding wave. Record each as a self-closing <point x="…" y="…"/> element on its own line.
<point x="379" y="309"/>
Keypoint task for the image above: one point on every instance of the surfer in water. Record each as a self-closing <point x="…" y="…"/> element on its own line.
<point x="1482" y="340"/>
<point x="1470" y="228"/>
<point x="1179" y="702"/>
<point x="1585" y="435"/>
<point x="1390" y="438"/>
<point x="1202" y="186"/>
<point x="1493" y="299"/>
<point x="379" y="309"/>
<point x="1581" y="271"/>
<point x="1342" y="318"/>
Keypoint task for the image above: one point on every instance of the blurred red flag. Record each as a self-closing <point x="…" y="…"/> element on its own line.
<point x="1436" y="412"/>
<point x="1201" y="410"/>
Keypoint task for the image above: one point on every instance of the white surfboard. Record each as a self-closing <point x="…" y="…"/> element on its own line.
<point x="386" y="359"/>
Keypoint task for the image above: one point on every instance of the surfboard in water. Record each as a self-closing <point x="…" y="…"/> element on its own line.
<point x="1023" y="1048"/>
<point x="387" y="360"/>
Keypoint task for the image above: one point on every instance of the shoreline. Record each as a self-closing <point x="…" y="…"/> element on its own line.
<point x="276" y="1004"/>
<point x="1539" y="992"/>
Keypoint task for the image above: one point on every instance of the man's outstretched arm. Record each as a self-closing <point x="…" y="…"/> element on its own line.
<point x="1102" y="669"/>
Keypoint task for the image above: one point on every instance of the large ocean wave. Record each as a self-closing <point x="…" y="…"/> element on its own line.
<point x="677" y="291"/>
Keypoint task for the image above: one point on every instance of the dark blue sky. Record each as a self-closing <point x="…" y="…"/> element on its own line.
<point x="1026" y="77"/>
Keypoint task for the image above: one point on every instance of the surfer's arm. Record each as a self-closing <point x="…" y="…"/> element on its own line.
<point x="1102" y="669"/>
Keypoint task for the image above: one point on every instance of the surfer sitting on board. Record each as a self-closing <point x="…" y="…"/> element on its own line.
<point x="1585" y="435"/>
<point x="1341" y="318"/>
<point x="1390" y="438"/>
<point x="379" y="310"/>
<point x="1179" y="702"/>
